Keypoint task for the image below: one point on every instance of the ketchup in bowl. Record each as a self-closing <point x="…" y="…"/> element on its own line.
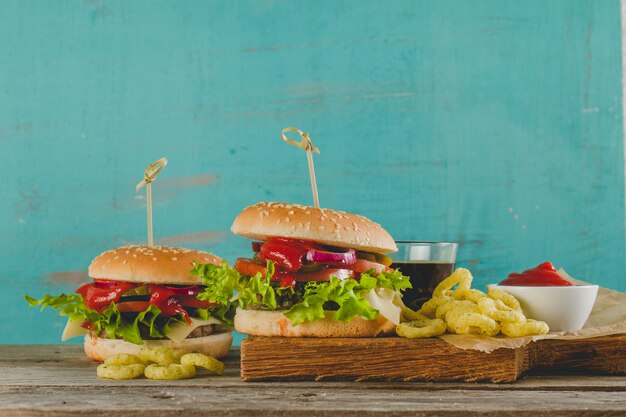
<point x="544" y="275"/>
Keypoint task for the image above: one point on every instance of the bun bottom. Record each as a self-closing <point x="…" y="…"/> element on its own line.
<point x="216" y="345"/>
<point x="274" y="323"/>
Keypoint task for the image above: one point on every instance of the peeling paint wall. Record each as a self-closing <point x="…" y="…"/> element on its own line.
<point x="497" y="124"/>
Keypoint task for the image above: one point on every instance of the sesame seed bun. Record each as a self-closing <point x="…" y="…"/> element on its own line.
<point x="216" y="345"/>
<point x="274" y="323"/>
<point x="150" y="265"/>
<point x="330" y="227"/>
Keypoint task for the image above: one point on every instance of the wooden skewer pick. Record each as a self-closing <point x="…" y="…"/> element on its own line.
<point x="307" y="145"/>
<point x="149" y="176"/>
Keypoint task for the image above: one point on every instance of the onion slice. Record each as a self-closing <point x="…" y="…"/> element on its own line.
<point x="324" y="257"/>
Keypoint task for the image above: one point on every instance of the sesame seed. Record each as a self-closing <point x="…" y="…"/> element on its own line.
<point x="287" y="219"/>
<point x="124" y="262"/>
<point x="134" y="255"/>
<point x="174" y="258"/>
<point x="154" y="258"/>
<point x="127" y="252"/>
<point x="307" y="212"/>
<point x="290" y="212"/>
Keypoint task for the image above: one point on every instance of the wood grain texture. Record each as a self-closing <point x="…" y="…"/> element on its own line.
<point x="493" y="123"/>
<point x="398" y="359"/>
<point x="54" y="380"/>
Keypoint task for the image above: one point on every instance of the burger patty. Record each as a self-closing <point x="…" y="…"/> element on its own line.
<point x="201" y="331"/>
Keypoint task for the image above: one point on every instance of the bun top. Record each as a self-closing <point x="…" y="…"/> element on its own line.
<point x="330" y="227"/>
<point x="150" y="265"/>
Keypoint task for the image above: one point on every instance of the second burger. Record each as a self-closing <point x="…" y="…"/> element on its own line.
<point x="313" y="272"/>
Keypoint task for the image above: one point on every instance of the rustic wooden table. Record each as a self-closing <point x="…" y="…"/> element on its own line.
<point x="58" y="380"/>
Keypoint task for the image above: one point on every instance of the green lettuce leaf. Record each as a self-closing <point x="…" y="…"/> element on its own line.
<point x="117" y="325"/>
<point x="307" y="302"/>
<point x="347" y="294"/>
<point x="220" y="282"/>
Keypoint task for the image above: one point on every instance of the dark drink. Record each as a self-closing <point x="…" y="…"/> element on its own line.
<point x="425" y="275"/>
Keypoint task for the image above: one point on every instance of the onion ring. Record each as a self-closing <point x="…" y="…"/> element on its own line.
<point x="203" y="361"/>
<point x="120" y="371"/>
<point x="443" y="309"/>
<point x="506" y="298"/>
<point x="421" y="328"/>
<point x="529" y="328"/>
<point x="160" y="355"/>
<point x="470" y="321"/>
<point x="172" y="371"/>
<point x="499" y="311"/>
<point x="120" y="359"/>
<point x="471" y="295"/>
<point x="430" y="306"/>
<point x="460" y="276"/>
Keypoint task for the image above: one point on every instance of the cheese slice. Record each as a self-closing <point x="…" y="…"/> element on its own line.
<point x="382" y="299"/>
<point x="179" y="331"/>
<point x="73" y="328"/>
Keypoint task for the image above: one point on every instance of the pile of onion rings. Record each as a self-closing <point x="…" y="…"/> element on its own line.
<point x="158" y="363"/>
<point x="456" y="307"/>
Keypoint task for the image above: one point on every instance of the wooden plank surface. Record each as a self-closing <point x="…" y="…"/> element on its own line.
<point x="386" y="359"/>
<point x="53" y="380"/>
<point x="399" y="359"/>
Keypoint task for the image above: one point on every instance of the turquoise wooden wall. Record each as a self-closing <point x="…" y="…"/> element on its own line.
<point x="497" y="124"/>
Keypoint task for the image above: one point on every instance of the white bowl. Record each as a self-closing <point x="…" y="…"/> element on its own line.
<point x="565" y="309"/>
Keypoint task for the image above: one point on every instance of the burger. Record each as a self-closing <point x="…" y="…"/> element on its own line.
<point x="312" y="272"/>
<point x="144" y="296"/>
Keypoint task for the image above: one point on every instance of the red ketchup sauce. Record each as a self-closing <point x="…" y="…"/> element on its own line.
<point x="163" y="298"/>
<point x="99" y="294"/>
<point x="544" y="275"/>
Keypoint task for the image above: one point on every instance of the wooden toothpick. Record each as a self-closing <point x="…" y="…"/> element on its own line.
<point x="149" y="176"/>
<point x="307" y="145"/>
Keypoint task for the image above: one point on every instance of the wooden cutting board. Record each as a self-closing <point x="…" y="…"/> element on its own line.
<point x="399" y="359"/>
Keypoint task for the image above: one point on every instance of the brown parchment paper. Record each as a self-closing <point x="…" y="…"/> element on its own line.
<point x="607" y="317"/>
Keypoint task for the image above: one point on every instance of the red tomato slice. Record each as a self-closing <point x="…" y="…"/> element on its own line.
<point x="133" y="306"/>
<point x="245" y="266"/>
<point x="324" y="275"/>
<point x="361" y="265"/>
<point x="192" y="301"/>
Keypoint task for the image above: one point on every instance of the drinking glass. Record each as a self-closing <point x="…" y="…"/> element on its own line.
<point x="427" y="264"/>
